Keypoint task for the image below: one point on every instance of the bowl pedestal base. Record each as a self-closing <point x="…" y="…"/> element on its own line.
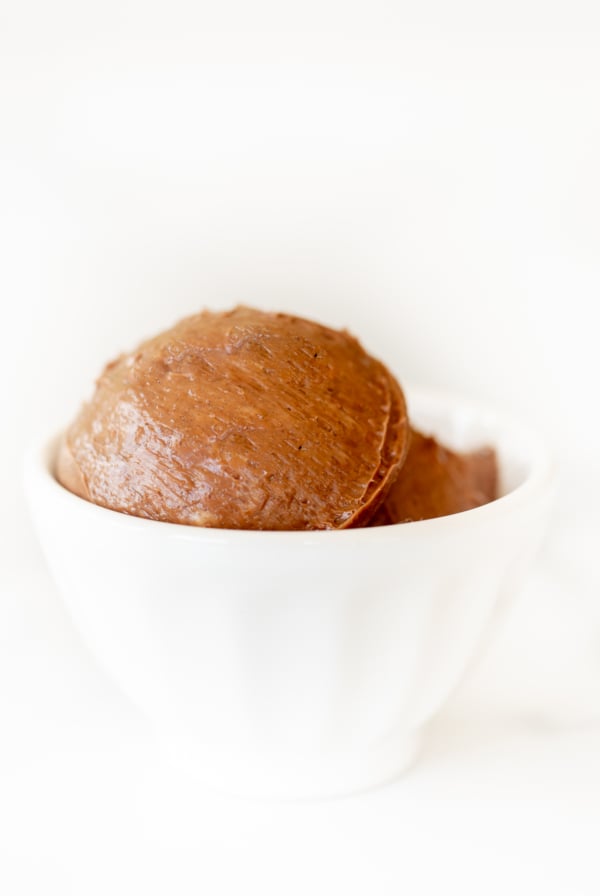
<point x="291" y="777"/>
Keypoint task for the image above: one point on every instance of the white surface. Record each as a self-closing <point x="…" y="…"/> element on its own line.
<point x="297" y="664"/>
<point x="426" y="174"/>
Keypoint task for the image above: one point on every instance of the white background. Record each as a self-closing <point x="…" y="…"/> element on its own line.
<point x="427" y="175"/>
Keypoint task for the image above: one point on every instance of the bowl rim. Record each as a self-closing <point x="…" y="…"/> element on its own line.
<point x="39" y="478"/>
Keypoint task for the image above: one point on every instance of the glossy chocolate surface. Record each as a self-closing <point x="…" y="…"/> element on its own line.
<point x="243" y="419"/>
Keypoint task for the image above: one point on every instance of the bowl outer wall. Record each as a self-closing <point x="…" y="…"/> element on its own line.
<point x="288" y="662"/>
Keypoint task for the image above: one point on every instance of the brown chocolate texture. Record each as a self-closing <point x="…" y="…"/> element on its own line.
<point x="435" y="481"/>
<point x="244" y="420"/>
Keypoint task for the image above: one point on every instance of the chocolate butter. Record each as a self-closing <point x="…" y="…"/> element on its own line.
<point x="435" y="481"/>
<point x="243" y="420"/>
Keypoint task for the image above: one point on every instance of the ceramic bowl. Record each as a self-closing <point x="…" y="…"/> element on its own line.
<point x="296" y="664"/>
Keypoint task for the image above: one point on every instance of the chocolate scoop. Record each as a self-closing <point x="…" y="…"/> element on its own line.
<point x="243" y="420"/>
<point x="436" y="481"/>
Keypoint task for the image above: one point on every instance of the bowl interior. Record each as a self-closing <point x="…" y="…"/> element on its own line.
<point x="461" y="424"/>
<point x="465" y="426"/>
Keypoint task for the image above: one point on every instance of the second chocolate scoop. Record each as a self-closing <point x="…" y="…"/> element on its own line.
<point x="242" y="419"/>
<point x="436" y="481"/>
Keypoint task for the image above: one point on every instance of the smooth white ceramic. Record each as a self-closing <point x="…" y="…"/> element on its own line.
<point x="290" y="663"/>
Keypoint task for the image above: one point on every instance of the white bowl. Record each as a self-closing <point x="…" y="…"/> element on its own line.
<point x="296" y="663"/>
